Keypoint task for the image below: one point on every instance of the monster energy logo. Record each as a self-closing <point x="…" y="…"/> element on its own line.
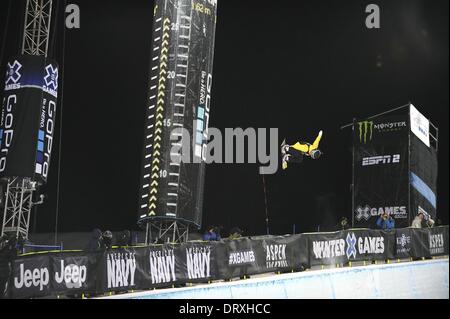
<point x="365" y="128"/>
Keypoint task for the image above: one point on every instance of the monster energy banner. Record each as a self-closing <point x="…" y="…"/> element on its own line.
<point x="380" y="169"/>
<point x="27" y="121"/>
<point x="143" y="268"/>
<point x="176" y="128"/>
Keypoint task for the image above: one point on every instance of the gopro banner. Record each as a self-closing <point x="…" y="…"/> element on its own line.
<point x="27" y="120"/>
<point x="380" y="167"/>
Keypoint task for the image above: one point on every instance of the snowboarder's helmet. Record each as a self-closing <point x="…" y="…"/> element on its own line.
<point x="315" y="154"/>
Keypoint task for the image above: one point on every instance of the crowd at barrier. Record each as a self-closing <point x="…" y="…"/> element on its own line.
<point x="146" y="267"/>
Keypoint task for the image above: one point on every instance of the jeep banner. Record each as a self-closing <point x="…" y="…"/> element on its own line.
<point x="72" y="274"/>
<point x="31" y="277"/>
<point x="380" y="171"/>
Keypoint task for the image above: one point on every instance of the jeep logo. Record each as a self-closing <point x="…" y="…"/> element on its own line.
<point x="38" y="277"/>
<point x="73" y="276"/>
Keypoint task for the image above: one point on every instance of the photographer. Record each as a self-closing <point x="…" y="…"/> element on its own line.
<point x="385" y="222"/>
<point x="422" y="220"/>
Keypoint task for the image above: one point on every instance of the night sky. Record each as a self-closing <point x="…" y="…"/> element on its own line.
<point x="300" y="66"/>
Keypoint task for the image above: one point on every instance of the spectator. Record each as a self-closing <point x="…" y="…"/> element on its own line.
<point x="107" y="239"/>
<point x="430" y="222"/>
<point x="417" y="222"/>
<point x="235" y="233"/>
<point x="343" y="224"/>
<point x="386" y="222"/>
<point x="96" y="241"/>
<point x="212" y="234"/>
<point x="124" y="238"/>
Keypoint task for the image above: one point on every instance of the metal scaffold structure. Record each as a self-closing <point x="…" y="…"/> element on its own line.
<point x="18" y="196"/>
<point x="36" y="30"/>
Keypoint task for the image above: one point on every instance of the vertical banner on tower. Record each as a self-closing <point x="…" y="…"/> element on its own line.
<point x="380" y="168"/>
<point x="178" y="107"/>
<point x="27" y="120"/>
<point x="424" y="167"/>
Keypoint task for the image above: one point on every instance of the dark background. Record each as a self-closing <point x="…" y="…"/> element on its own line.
<point x="300" y="66"/>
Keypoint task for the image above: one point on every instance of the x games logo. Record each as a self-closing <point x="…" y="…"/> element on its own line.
<point x="351" y="245"/>
<point x="12" y="74"/>
<point x="362" y="212"/>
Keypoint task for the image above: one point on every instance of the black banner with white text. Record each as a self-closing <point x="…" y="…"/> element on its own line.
<point x="172" y="265"/>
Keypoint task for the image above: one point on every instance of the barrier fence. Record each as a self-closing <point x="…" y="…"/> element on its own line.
<point x="142" y="268"/>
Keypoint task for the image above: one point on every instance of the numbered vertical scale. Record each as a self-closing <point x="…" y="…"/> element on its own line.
<point x="179" y="99"/>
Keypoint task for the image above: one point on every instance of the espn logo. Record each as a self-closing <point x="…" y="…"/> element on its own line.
<point x="377" y="160"/>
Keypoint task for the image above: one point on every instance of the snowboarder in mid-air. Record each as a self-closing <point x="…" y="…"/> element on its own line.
<point x="294" y="153"/>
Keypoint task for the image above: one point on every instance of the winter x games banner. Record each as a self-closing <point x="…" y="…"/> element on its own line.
<point x="27" y="120"/>
<point x="380" y="168"/>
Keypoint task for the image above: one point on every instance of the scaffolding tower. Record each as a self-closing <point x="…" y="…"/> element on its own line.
<point x="36" y="29"/>
<point x="18" y="195"/>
